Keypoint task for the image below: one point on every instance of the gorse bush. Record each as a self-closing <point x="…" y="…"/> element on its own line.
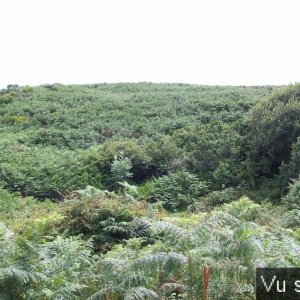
<point x="206" y="146"/>
<point x="6" y="97"/>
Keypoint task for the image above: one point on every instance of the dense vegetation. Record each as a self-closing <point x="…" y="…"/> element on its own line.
<point x="128" y="191"/>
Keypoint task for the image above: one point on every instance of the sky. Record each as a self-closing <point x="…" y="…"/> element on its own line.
<point x="214" y="42"/>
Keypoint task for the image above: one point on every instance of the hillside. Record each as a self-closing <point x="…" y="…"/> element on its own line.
<point x="128" y="191"/>
<point x="59" y="130"/>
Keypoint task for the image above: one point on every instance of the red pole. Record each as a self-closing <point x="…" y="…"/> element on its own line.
<point x="205" y="281"/>
<point x="106" y="294"/>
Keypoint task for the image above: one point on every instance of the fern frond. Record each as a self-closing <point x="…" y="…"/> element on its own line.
<point x="19" y="275"/>
<point x="172" y="287"/>
<point x="69" y="290"/>
<point x="140" y="293"/>
<point x="167" y="229"/>
<point x="111" y="290"/>
<point x="169" y="261"/>
<point x="139" y="227"/>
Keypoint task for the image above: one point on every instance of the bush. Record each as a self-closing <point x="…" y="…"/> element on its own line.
<point x="7" y="98"/>
<point x="137" y="155"/>
<point x="223" y="175"/>
<point x="14" y="119"/>
<point x="27" y="89"/>
<point x="103" y="215"/>
<point x="165" y="156"/>
<point x="291" y="219"/>
<point x="292" y="199"/>
<point x="46" y="172"/>
<point x="291" y="169"/>
<point x="274" y="126"/>
<point x="217" y="198"/>
<point x="120" y="168"/>
<point x="206" y="146"/>
<point x="177" y="190"/>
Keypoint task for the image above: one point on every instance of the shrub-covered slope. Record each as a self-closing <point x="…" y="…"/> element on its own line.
<point x="131" y="191"/>
<point x="57" y="138"/>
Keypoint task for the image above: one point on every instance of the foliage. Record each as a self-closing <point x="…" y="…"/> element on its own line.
<point x="103" y="215"/>
<point x="159" y="127"/>
<point x="227" y="240"/>
<point x="46" y="172"/>
<point x="291" y="169"/>
<point x="60" y="268"/>
<point x="176" y="191"/>
<point x="188" y="153"/>
<point x="274" y="126"/>
<point x="292" y="199"/>
<point x="291" y="219"/>
<point x="206" y="146"/>
<point x="6" y="97"/>
<point x="120" y="168"/>
<point x="213" y="199"/>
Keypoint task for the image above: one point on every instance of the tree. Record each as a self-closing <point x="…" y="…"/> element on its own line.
<point x="120" y="168"/>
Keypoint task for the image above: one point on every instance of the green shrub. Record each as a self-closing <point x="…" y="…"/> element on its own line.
<point x="103" y="156"/>
<point x="27" y="89"/>
<point x="217" y="198"/>
<point x="120" y="168"/>
<point x="14" y="119"/>
<point x="292" y="199"/>
<point x="223" y="175"/>
<point x="165" y="156"/>
<point x="291" y="219"/>
<point x="273" y="129"/>
<point x="177" y="190"/>
<point x="291" y="168"/>
<point x="205" y="146"/>
<point x="7" y="98"/>
<point x="46" y="172"/>
<point x="103" y="215"/>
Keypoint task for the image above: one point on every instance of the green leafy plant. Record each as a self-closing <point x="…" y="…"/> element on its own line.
<point x="120" y="168"/>
<point x="176" y="191"/>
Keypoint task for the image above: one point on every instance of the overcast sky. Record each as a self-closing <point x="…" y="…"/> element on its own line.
<point x="227" y="42"/>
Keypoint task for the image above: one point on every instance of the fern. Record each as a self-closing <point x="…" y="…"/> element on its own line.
<point x="171" y="287"/>
<point x="23" y="277"/>
<point x="112" y="290"/>
<point x="140" y="293"/>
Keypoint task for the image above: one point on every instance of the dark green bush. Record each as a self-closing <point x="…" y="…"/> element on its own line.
<point x="103" y="157"/>
<point x="217" y="198"/>
<point x="46" y="172"/>
<point x="178" y="190"/>
<point x="274" y="127"/>
<point x="206" y="145"/>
